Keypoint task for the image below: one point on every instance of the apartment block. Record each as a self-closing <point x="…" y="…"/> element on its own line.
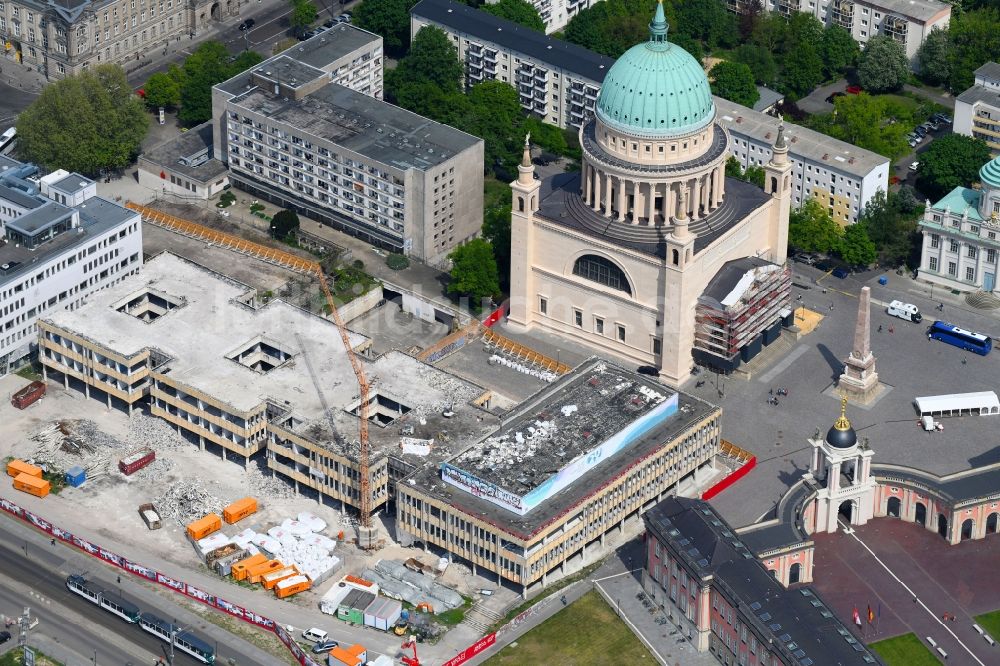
<point x="557" y="81"/>
<point x="70" y="36"/>
<point x="906" y="21"/>
<point x="291" y="135"/>
<point x="555" y="14"/>
<point x="59" y="243"/>
<point x="568" y="472"/>
<point x="842" y="177"/>
<point x="977" y="110"/>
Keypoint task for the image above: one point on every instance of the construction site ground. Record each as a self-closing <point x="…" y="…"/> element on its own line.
<point x="104" y="510"/>
<point x="391" y="328"/>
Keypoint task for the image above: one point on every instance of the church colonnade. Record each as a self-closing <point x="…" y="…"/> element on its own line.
<point x="603" y="191"/>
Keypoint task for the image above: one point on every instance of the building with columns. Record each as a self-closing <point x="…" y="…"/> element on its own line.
<point x="616" y="257"/>
<point x="960" y="236"/>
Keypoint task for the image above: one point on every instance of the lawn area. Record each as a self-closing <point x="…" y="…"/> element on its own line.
<point x="905" y="650"/>
<point x="586" y="633"/>
<point x="991" y="623"/>
<point x="14" y="658"/>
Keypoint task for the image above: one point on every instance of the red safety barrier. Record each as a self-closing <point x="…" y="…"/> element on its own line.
<point x="496" y="315"/>
<point x="730" y="480"/>
<point x="471" y="651"/>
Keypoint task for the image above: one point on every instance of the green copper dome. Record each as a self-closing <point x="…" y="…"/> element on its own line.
<point x="989" y="174"/>
<point x="656" y="88"/>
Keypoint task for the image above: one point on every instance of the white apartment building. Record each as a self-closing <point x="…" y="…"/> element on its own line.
<point x="906" y="21"/>
<point x="977" y="110"/>
<point x="59" y="242"/>
<point x="291" y="135"/>
<point x="839" y="175"/>
<point x="961" y="245"/>
<point x="555" y="80"/>
<point x="556" y="13"/>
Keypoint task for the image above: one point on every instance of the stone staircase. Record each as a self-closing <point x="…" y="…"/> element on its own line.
<point x="481" y="618"/>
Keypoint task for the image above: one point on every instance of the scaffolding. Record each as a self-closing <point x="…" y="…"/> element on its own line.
<point x="723" y="330"/>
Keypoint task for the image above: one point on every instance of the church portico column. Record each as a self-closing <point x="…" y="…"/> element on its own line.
<point x="622" y="201"/>
<point x="588" y="174"/>
<point x="635" y="202"/>
<point x="706" y="192"/>
<point x="651" y="203"/>
<point x="595" y="203"/>
<point x="695" y="198"/>
<point x="716" y="188"/>
<point x="607" y="195"/>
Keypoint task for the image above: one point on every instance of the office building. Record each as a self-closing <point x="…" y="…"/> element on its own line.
<point x="559" y="82"/>
<point x="62" y="38"/>
<point x="556" y="80"/>
<point x="960" y="235"/>
<point x="906" y="21"/>
<point x="59" y="243"/>
<point x="293" y="136"/>
<point x="977" y="110"/>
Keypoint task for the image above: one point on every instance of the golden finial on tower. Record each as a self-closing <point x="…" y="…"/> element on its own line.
<point x="842" y="423"/>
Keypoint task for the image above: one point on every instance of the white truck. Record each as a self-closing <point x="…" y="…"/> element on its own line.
<point x="906" y="311"/>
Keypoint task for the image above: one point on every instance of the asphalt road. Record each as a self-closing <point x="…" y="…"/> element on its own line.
<point x="44" y="572"/>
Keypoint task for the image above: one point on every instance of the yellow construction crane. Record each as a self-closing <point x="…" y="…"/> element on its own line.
<point x="365" y="532"/>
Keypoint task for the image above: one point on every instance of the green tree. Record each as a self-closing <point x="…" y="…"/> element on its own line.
<point x="389" y="18"/>
<point x="734" y="81"/>
<point x="162" y="90"/>
<point x="753" y="174"/>
<point x="760" y="62"/>
<point x="432" y="58"/>
<point x="802" y="70"/>
<point x="882" y="66"/>
<point x="707" y="21"/>
<point x="856" y="248"/>
<point x="496" y="229"/>
<point x="304" y="13"/>
<point x="612" y="27"/>
<point x="204" y="68"/>
<point x="428" y="99"/>
<point x="749" y="17"/>
<point x="474" y="271"/>
<point x="838" y="50"/>
<point x="495" y="116"/>
<point x="891" y="223"/>
<point x="868" y="122"/>
<point x="86" y="123"/>
<point x="934" y="57"/>
<point x="975" y="39"/>
<point x="771" y="33"/>
<point x="803" y="28"/>
<point x="284" y="223"/>
<point x="951" y="161"/>
<point x="517" y="11"/>
<point x="811" y="229"/>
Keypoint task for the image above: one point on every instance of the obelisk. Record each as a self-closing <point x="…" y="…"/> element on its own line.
<point x="859" y="379"/>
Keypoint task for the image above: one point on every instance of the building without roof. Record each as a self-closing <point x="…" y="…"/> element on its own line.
<point x="71" y="36"/>
<point x="728" y="604"/>
<point x="960" y="247"/>
<point x="290" y="135"/>
<point x="59" y="242"/>
<point x="906" y="21"/>
<point x="241" y="378"/>
<point x="573" y="465"/>
<point x="977" y="110"/>
<point x="560" y="82"/>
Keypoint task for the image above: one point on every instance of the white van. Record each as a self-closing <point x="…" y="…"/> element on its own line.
<point x="315" y="635"/>
<point x="906" y="311"/>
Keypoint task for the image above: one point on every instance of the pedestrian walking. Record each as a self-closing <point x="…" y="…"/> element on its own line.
<point x="891" y="329"/>
<point x="880" y="328"/>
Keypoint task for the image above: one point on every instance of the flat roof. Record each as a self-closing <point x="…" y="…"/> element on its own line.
<point x="957" y="401"/>
<point x="517" y="38"/>
<point x="20" y="197"/>
<point x="332" y="44"/>
<point x="802" y="141"/>
<point x="72" y="183"/>
<point x="796" y="621"/>
<point x="168" y="155"/>
<point x="922" y="10"/>
<point x="213" y="321"/>
<point x="370" y="127"/>
<point x="548" y="402"/>
<point x="39" y="218"/>
<point x="990" y="70"/>
<point x="981" y="94"/>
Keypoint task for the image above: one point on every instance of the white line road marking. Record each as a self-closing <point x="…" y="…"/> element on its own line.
<point x="914" y="595"/>
<point x="783" y="364"/>
<point x="624" y="573"/>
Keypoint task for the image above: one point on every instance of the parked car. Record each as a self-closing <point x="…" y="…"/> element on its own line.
<point x="840" y="272"/>
<point x="854" y="90"/>
<point x="343" y="19"/>
<point x="248" y="24"/>
<point x="914" y="166"/>
<point x="804" y="258"/>
<point x="920" y="131"/>
<point x="824" y="266"/>
<point x="4" y="637"/>
<point x="943" y="118"/>
<point x="347" y="15"/>
<point x="324" y="646"/>
<point x="648" y="370"/>
<point x="315" y="635"/>
<point x="330" y="23"/>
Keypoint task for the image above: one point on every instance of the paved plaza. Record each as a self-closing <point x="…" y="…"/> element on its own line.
<point x="912" y="579"/>
<point x="907" y="362"/>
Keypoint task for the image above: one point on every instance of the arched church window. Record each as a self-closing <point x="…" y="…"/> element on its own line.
<point x="601" y="270"/>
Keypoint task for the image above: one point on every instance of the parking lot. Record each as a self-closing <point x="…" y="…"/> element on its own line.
<point x="907" y="362"/>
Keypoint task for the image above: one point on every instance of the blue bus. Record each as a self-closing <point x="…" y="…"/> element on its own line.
<point x="959" y="337"/>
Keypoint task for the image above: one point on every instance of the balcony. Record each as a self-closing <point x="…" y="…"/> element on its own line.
<point x="895" y="27"/>
<point x="843" y="14"/>
<point x="788" y="7"/>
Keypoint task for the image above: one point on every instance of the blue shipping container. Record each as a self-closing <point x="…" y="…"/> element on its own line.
<point x="75" y="476"/>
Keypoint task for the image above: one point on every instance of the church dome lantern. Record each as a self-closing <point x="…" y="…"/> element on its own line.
<point x="841" y="434"/>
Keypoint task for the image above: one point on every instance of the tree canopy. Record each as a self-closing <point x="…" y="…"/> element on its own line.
<point x="432" y="57"/>
<point x="975" y="40"/>
<point x="882" y="66"/>
<point x="474" y="271"/>
<point x="389" y="18"/>
<point x="87" y="122"/>
<point x="760" y="62"/>
<point x="162" y="90"/>
<point x="518" y="11"/>
<point x="951" y="161"/>
<point x="734" y="81"/>
<point x="934" y="57"/>
<point x="208" y="65"/>
<point x="856" y="248"/>
<point x="838" y="50"/>
<point x="284" y="223"/>
<point x="873" y="123"/>
<point x="304" y="13"/>
<point x="891" y="223"/>
<point x="811" y="229"/>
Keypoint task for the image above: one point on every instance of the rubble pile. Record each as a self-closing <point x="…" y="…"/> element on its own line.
<point x="154" y="471"/>
<point x="153" y="432"/>
<point x="63" y="444"/>
<point x="186" y="501"/>
<point x="261" y="483"/>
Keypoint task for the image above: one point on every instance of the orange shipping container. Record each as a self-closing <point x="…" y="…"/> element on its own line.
<point x="17" y="467"/>
<point x="32" y="484"/>
<point x="202" y="527"/>
<point x="241" y="567"/>
<point x="271" y="578"/>
<point x="290" y="586"/>
<point x="257" y="571"/>
<point x="354" y="655"/>
<point x="239" y="510"/>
